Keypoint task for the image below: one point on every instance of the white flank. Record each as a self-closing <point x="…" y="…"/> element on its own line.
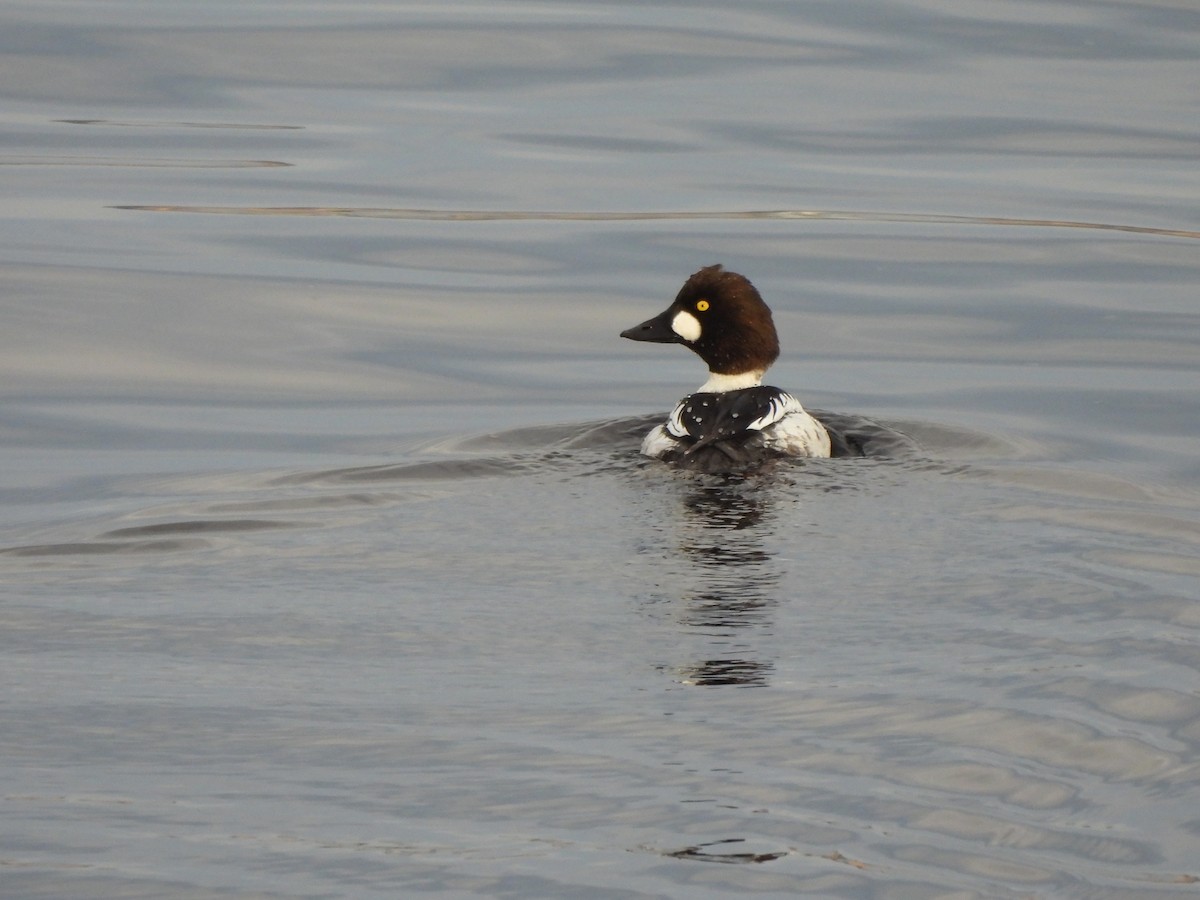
<point x="799" y="434"/>
<point x="658" y="443"/>
<point x="686" y="326"/>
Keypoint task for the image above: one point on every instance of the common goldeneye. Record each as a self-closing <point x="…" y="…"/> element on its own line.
<point x="732" y="421"/>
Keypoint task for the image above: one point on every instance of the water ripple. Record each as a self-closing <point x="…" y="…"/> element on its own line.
<point x="478" y="215"/>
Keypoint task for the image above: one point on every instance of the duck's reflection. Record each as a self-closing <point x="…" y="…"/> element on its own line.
<point x="734" y="577"/>
<point x="715" y="672"/>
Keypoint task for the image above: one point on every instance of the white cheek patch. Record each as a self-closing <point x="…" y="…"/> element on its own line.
<point x="686" y="326"/>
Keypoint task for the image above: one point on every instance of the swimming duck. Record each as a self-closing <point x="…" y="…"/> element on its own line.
<point x="732" y="421"/>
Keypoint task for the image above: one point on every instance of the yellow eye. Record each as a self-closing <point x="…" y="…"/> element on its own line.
<point x="701" y="305"/>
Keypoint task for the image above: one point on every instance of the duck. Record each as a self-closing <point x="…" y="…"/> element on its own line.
<point x="732" y="422"/>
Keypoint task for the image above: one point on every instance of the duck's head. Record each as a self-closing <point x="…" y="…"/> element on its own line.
<point x="721" y="317"/>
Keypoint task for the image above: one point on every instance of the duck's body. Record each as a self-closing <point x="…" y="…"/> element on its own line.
<point x="735" y="429"/>
<point x="733" y="421"/>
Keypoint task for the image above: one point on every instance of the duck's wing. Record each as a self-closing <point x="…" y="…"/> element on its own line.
<point x="704" y="418"/>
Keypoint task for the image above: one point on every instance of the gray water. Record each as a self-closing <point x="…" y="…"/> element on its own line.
<point x="328" y="566"/>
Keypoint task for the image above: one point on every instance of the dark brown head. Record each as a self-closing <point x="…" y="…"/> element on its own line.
<point x="721" y="317"/>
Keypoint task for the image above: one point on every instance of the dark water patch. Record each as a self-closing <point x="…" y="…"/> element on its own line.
<point x="299" y="504"/>
<point x="126" y="162"/>
<point x="200" y="526"/>
<point x="437" y="470"/>
<point x="730" y="850"/>
<point x="949" y="441"/>
<point x="852" y="435"/>
<point x="519" y="451"/>
<point x="237" y="126"/>
<point x="104" y="548"/>
<point x="150" y="539"/>
<point x="592" y="436"/>
<point x="606" y="143"/>
<point x="967" y="135"/>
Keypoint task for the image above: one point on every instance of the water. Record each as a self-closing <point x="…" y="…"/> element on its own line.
<point x="328" y="564"/>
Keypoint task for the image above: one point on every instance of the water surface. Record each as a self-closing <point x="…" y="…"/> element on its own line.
<point x="329" y="567"/>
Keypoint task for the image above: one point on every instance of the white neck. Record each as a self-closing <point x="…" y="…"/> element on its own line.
<point x="717" y="383"/>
